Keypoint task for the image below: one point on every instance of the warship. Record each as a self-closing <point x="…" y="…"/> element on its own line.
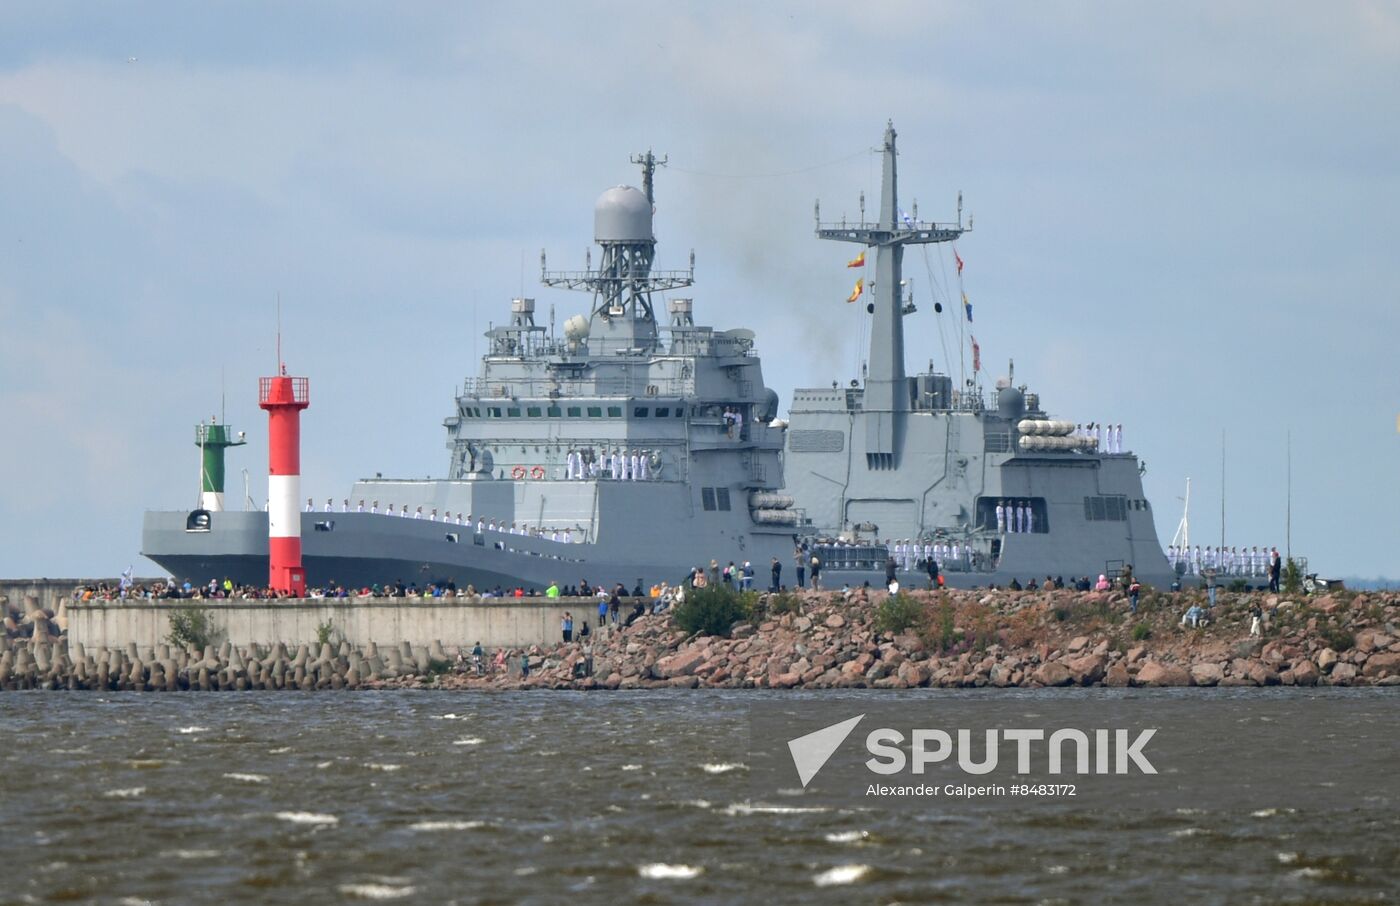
<point x="628" y="450"/>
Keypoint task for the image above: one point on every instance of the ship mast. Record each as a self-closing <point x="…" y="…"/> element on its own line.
<point x="887" y="392"/>
<point x="622" y="284"/>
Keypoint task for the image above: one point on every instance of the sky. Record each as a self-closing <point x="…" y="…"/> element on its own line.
<point x="1184" y="217"/>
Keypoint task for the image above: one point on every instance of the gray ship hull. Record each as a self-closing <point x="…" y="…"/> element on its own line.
<point x="360" y="549"/>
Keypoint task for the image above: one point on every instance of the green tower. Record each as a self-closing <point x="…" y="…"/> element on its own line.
<point x="212" y="439"/>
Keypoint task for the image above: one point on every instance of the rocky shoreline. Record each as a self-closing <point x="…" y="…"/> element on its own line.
<point x="821" y="640"/>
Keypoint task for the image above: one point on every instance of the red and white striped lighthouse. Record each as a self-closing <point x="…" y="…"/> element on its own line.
<point x="284" y="397"/>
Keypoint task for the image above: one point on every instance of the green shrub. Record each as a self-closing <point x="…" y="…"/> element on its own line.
<point x="1238" y="585"/>
<point x="783" y="602"/>
<point x="942" y="633"/>
<point x="1141" y="632"/>
<point x="1061" y="614"/>
<point x="712" y="610"/>
<point x="323" y="633"/>
<point x="1338" y="639"/>
<point x="191" y="624"/>
<point x="1292" y="577"/>
<point x="897" y="614"/>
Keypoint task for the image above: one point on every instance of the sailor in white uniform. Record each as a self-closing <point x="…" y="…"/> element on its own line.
<point x="432" y="517"/>
<point x="636" y="466"/>
<point x="646" y="465"/>
<point x="1030" y="518"/>
<point x="418" y="513"/>
<point x="309" y="505"/>
<point x="390" y="510"/>
<point x="1001" y="518"/>
<point x="567" y="539"/>
<point x="374" y="507"/>
<point x="956" y="554"/>
<point x="361" y="507"/>
<point x="616" y="471"/>
<point x="330" y="505"/>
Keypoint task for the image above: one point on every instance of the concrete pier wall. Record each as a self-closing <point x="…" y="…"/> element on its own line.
<point x="454" y="623"/>
<point x="48" y="592"/>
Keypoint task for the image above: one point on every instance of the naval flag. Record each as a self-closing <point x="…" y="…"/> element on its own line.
<point x="976" y="355"/>
<point x="855" y="293"/>
<point x="857" y="261"/>
<point x="967" y="308"/>
<point x="958" y="259"/>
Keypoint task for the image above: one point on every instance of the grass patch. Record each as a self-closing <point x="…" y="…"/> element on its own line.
<point x="1142" y="632"/>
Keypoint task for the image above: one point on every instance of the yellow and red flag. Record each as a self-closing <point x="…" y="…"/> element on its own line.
<point x="857" y="261"/>
<point x="855" y="293"/>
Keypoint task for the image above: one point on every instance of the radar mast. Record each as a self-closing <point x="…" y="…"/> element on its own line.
<point x="887" y="394"/>
<point x="623" y="318"/>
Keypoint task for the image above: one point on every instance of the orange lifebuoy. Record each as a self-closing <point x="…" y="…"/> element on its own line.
<point x="537" y="472"/>
<point x="518" y="472"/>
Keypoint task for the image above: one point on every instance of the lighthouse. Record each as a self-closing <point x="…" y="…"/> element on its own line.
<point x="212" y="439"/>
<point x="284" y="397"/>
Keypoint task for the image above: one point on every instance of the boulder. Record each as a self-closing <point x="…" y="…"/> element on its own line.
<point x="835" y="621"/>
<point x="1078" y="643"/>
<point x="1155" y="673"/>
<point x="1088" y="669"/>
<point x="682" y="663"/>
<point x="1305" y="672"/>
<point x="1325" y="659"/>
<point x="1053" y="673"/>
<point x="1117" y="675"/>
<point x="1343" y="674"/>
<point x="1206" y="674"/>
<point x="1384" y="664"/>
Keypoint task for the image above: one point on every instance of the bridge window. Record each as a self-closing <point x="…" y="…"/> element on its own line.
<point x="533" y="411"/>
<point x="554" y="412"/>
<point x="707" y="498"/>
<point x="513" y="412"/>
<point x="663" y="411"/>
<point x="639" y="412"/>
<point x="722" y="497"/>
<point x="595" y="411"/>
<point x="614" y="412"/>
<point x="493" y="411"/>
<point x="575" y="412"/>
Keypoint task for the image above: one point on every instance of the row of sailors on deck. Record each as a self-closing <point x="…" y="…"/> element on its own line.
<point x="1107" y="438"/>
<point x="1014" y="517"/>
<point x="622" y="465"/>
<point x="908" y="554"/>
<point x="1230" y="561"/>
<point x="481" y="524"/>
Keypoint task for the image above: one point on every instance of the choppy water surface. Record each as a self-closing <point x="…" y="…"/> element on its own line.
<point x="538" y="798"/>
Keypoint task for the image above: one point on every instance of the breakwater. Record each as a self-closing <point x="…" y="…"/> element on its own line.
<point x="953" y="639"/>
<point x="360" y="621"/>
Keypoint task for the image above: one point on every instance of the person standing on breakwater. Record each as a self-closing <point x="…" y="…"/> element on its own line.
<point x="777" y="571"/>
<point x="567" y="625"/>
<point x="524" y="663"/>
<point x="602" y="608"/>
<point x="500" y="666"/>
<point x="1256" y="616"/>
<point x="800" y="558"/>
<point x="816" y="565"/>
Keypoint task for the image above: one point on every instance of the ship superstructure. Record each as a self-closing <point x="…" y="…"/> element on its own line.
<point x="914" y="466"/>
<point x="622" y="450"/>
